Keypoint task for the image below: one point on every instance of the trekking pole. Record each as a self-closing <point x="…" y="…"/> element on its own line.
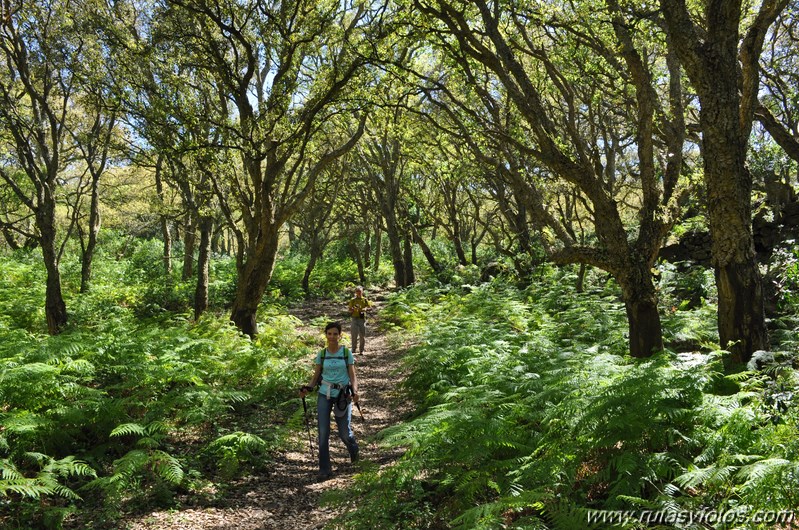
<point x="307" y="426"/>
<point x="358" y="406"/>
<point x="349" y="392"/>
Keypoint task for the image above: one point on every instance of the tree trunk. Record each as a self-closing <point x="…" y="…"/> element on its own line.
<point x="10" y="239"/>
<point x="741" y="307"/>
<point x="395" y="248"/>
<point x="367" y="249"/>
<point x="94" y="230"/>
<point x="216" y="239"/>
<point x="189" y="242"/>
<point x="159" y="188"/>
<point x="203" y="262"/>
<point x="581" y="278"/>
<point x="726" y="81"/>
<point x="456" y="241"/>
<point x="227" y="243"/>
<point x="450" y="194"/>
<point x="646" y="334"/>
<point x="742" y="325"/>
<point x="54" y="306"/>
<point x="167" y="246"/>
<point x="410" y="276"/>
<point x="516" y="217"/>
<point x="643" y="318"/>
<point x="316" y="253"/>
<point x="253" y="277"/>
<point x="356" y="254"/>
<point x="431" y="258"/>
<point x="378" y="249"/>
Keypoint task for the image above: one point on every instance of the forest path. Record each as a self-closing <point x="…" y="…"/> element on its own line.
<point x="288" y="496"/>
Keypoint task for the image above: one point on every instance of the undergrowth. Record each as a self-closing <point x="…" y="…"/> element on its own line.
<point x="119" y="413"/>
<point x="530" y="416"/>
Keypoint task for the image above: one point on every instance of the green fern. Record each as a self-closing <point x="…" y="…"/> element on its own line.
<point x="46" y="481"/>
<point x="137" y="470"/>
<point x="549" y="410"/>
<point x="123" y="389"/>
<point x="239" y="440"/>
<point x="236" y="449"/>
<point x="166" y="467"/>
<point x="129" y="429"/>
<point x="696" y="476"/>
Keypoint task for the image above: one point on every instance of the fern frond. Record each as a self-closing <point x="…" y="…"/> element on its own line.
<point x="69" y="466"/>
<point x="167" y="467"/>
<point x="79" y="366"/>
<point x="9" y="471"/>
<point x="46" y="482"/>
<point x="483" y="516"/>
<point x="156" y="427"/>
<point x="765" y="468"/>
<point x="62" y="349"/>
<point x="26" y="371"/>
<point x="65" y="492"/>
<point x="696" y="476"/>
<point x="25" y="488"/>
<point x="132" y="462"/>
<point x="240" y="440"/>
<point x="625" y="463"/>
<point x="129" y="429"/>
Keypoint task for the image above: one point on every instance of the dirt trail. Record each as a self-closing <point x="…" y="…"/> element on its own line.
<point x="289" y="496"/>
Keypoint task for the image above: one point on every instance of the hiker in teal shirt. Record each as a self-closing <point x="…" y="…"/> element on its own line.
<point x="334" y="373"/>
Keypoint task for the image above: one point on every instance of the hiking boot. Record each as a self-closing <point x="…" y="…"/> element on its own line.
<point x="354" y="455"/>
<point x="323" y="476"/>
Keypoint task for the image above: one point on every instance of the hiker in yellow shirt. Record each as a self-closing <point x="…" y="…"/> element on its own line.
<point x="357" y="308"/>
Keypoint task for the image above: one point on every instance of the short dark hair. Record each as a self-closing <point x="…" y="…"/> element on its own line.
<point x="332" y="325"/>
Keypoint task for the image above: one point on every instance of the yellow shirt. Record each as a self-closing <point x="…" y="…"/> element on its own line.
<point x="356" y="306"/>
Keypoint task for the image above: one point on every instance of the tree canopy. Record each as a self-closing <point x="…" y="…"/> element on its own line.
<point x="573" y="132"/>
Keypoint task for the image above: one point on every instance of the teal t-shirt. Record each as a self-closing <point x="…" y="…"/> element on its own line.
<point x="335" y="369"/>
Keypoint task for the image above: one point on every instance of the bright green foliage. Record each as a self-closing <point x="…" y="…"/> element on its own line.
<point x="329" y="278"/>
<point x="750" y="458"/>
<point x="118" y="411"/>
<point x="46" y="481"/>
<point x="287" y="278"/>
<point x="146" y="465"/>
<point x="232" y="450"/>
<point x="529" y="415"/>
<point x="22" y="286"/>
<point x="786" y="260"/>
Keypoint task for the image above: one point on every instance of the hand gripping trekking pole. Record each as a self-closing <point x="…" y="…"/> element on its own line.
<point x="307" y="426"/>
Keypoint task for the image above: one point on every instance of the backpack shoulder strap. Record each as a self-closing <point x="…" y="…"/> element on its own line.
<point x="346" y="357"/>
